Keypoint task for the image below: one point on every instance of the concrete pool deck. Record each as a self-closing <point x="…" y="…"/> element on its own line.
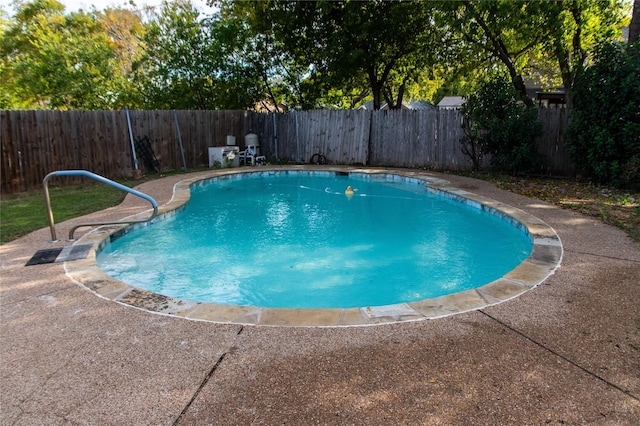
<point x="567" y="351"/>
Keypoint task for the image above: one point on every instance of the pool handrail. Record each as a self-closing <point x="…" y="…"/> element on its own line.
<point x="101" y="179"/>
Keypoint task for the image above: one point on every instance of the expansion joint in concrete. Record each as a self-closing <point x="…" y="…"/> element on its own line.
<point x="197" y="392"/>
<point x="204" y="382"/>
<point x="564" y="358"/>
<point x="601" y="255"/>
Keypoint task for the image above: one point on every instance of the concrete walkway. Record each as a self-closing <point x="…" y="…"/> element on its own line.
<point x="566" y="352"/>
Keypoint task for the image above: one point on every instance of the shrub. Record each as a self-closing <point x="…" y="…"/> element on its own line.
<point x="604" y="135"/>
<point x="498" y="123"/>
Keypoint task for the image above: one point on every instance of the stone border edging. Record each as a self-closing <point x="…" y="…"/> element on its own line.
<point x="544" y="259"/>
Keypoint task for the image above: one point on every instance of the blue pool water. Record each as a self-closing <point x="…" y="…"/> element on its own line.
<point x="296" y="240"/>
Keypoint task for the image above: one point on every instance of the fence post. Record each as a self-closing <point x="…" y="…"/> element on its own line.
<point x="184" y="163"/>
<point x="295" y="116"/>
<point x="133" y="146"/>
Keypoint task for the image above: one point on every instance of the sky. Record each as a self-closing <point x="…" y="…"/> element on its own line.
<point x="74" y="5"/>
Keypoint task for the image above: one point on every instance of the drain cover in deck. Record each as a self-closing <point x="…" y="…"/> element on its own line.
<point x="44" y="256"/>
<point x="60" y="254"/>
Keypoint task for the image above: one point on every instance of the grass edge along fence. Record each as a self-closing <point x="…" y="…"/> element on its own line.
<point x="35" y="143"/>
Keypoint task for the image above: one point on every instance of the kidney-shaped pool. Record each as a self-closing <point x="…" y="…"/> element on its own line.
<point x="304" y="239"/>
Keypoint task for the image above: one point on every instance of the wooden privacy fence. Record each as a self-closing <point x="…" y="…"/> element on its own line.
<point x="550" y="144"/>
<point x="35" y="143"/>
<point x="407" y="138"/>
<point x="342" y="136"/>
<point x="419" y="138"/>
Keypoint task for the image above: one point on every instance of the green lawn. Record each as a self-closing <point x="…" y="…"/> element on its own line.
<point x="25" y="212"/>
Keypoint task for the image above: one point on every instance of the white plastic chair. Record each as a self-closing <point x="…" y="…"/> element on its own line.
<point x="251" y="155"/>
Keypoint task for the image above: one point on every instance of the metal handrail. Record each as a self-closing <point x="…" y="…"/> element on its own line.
<point x="99" y="178"/>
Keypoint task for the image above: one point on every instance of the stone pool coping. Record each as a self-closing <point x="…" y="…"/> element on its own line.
<point x="543" y="261"/>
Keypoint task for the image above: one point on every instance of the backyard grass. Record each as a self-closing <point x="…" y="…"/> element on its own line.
<point x="26" y="212"/>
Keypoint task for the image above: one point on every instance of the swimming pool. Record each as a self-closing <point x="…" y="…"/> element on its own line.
<point x="542" y="261"/>
<point x="300" y="239"/>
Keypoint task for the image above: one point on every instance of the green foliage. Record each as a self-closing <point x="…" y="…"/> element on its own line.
<point x="386" y="45"/>
<point x="546" y="41"/>
<point x="311" y="52"/>
<point x="497" y="32"/>
<point x="499" y="124"/>
<point x="56" y="61"/>
<point x="574" y="29"/>
<point x="282" y="74"/>
<point x="193" y="63"/>
<point x="605" y="126"/>
<point x="291" y="54"/>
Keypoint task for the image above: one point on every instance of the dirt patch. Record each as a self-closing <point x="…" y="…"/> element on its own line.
<point x="613" y="206"/>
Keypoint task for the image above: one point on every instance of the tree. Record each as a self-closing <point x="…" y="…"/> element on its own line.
<point x="57" y="61"/>
<point x="499" y="124"/>
<point x="7" y="96"/>
<point x="125" y="29"/>
<point x="388" y="43"/>
<point x="276" y="46"/>
<point x="188" y="62"/>
<point x="497" y="30"/>
<point x="521" y="36"/>
<point x="283" y="74"/>
<point x="605" y="127"/>
<point x="574" y="30"/>
<point x="375" y="48"/>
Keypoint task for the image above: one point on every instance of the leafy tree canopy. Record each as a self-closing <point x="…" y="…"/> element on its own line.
<point x="549" y="41"/>
<point x="605" y="127"/>
<point x="57" y="61"/>
<point x="501" y="125"/>
<point x="191" y="62"/>
<point x="293" y="54"/>
<point x="375" y="49"/>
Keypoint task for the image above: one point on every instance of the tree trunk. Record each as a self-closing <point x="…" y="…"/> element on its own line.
<point x="572" y="58"/>
<point x="400" y="96"/>
<point x="634" y="26"/>
<point x="377" y="84"/>
<point x="376" y="90"/>
<point x="499" y="50"/>
<point x="376" y="97"/>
